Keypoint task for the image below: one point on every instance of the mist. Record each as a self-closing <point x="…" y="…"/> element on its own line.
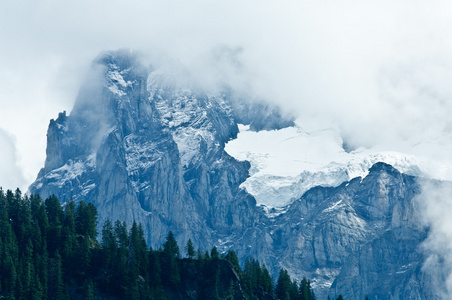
<point x="377" y="70"/>
<point x="435" y="205"/>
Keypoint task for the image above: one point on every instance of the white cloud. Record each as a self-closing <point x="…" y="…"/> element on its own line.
<point x="379" y="70"/>
<point x="11" y="176"/>
<point x="435" y="203"/>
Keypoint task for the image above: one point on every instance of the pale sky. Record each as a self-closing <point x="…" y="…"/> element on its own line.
<point x="379" y="70"/>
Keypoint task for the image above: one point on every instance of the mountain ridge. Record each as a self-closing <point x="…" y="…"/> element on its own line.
<point x="141" y="148"/>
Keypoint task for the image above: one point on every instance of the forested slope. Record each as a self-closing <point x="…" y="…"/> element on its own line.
<point x="49" y="251"/>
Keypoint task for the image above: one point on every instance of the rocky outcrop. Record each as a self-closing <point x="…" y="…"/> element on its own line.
<point x="359" y="237"/>
<point x="143" y="146"/>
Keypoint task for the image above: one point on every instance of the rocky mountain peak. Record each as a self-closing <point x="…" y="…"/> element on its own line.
<point x="144" y="149"/>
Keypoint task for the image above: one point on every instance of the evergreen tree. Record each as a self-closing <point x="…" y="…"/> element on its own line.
<point x="137" y="254"/>
<point x="86" y="220"/>
<point x="190" y="249"/>
<point x="55" y="217"/>
<point x="89" y="291"/>
<point x="170" y="274"/>
<point x="69" y="238"/>
<point x="232" y="257"/>
<point x="155" y="269"/>
<point x="283" y="286"/>
<point x="304" y="291"/>
<point x="119" y="276"/>
<point x="293" y="291"/>
<point x="214" y="254"/>
<point x="56" y="289"/>
<point x="266" y="280"/>
<point x="170" y="247"/>
<point x="109" y="245"/>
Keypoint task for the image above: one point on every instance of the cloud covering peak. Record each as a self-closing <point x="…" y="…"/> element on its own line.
<point x="378" y="70"/>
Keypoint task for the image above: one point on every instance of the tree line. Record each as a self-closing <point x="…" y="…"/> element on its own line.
<point x="50" y="251"/>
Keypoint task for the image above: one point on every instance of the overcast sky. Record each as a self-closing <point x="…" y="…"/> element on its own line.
<point x="379" y="70"/>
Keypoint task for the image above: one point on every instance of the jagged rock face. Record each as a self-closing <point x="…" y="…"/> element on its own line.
<point x="142" y="146"/>
<point x="363" y="237"/>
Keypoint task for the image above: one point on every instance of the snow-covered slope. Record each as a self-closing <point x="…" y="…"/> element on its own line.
<point x="288" y="162"/>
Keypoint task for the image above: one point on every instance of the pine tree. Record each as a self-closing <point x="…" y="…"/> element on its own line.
<point x="55" y="217"/>
<point x="170" y="274"/>
<point x="89" y="291"/>
<point x="266" y="281"/>
<point x="155" y="269"/>
<point x="86" y="220"/>
<point x="170" y="247"/>
<point x="293" y="291"/>
<point x="109" y="245"/>
<point x="283" y="286"/>
<point x="190" y="249"/>
<point x="69" y="238"/>
<point x="232" y="257"/>
<point x="214" y="254"/>
<point x="137" y="256"/>
<point x="57" y="290"/>
<point x="120" y="266"/>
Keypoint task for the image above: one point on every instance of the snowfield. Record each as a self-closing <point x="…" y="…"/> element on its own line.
<point x="286" y="163"/>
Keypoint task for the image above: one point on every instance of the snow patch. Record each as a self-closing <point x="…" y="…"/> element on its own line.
<point x="185" y="116"/>
<point x="87" y="189"/>
<point x="117" y="77"/>
<point x="114" y="89"/>
<point x="332" y="207"/>
<point x="288" y="162"/>
<point x="70" y="171"/>
<point x="140" y="155"/>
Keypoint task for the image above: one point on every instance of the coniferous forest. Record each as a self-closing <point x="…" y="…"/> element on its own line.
<point x="50" y="251"/>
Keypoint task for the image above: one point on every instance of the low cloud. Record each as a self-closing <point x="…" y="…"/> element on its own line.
<point x="435" y="202"/>
<point x="11" y="176"/>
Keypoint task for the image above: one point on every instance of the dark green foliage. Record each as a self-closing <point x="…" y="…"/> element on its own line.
<point x="190" y="249"/>
<point x="284" y="285"/>
<point x="169" y="258"/>
<point x="232" y="257"/>
<point x="49" y="251"/>
<point x="170" y="247"/>
<point x="89" y="291"/>
<point x="214" y="254"/>
<point x="305" y="291"/>
<point x="86" y="220"/>
<point x="256" y="280"/>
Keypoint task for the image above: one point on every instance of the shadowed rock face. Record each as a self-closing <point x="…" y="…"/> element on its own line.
<point x="142" y="146"/>
<point x="363" y="237"/>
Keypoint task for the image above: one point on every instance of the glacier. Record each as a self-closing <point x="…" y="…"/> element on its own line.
<point x="286" y="163"/>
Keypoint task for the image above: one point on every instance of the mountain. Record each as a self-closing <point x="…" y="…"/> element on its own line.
<point x="141" y="146"/>
<point x="148" y="145"/>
